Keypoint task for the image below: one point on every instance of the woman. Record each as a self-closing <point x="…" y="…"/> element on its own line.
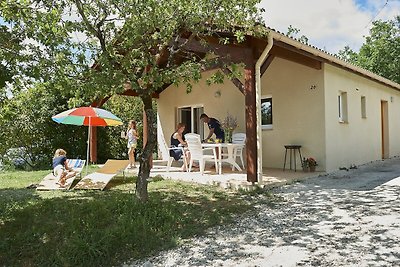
<point x="132" y="136"/>
<point x="60" y="167"/>
<point x="177" y="140"/>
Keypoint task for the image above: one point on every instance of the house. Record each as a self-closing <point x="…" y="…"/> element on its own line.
<point x="293" y="93"/>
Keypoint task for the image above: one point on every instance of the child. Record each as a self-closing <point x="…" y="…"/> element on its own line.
<point x="60" y="167"/>
<point x="132" y="136"/>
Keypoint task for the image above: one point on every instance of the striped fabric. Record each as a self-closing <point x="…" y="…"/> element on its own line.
<point x="76" y="163"/>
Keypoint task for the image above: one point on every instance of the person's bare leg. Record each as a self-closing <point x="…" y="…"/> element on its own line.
<point x="62" y="178"/>
<point x="131" y="157"/>
<point x="70" y="174"/>
<point x="187" y="160"/>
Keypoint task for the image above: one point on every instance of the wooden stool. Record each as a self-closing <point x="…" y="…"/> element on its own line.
<point x="291" y="148"/>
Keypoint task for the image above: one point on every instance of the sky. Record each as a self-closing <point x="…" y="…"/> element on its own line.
<point x="329" y="24"/>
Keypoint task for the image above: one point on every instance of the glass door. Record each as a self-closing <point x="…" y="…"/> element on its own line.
<point x="190" y="116"/>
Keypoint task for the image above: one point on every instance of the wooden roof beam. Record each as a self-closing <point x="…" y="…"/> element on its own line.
<point x="266" y="64"/>
<point x="239" y="85"/>
<point x="235" y="54"/>
<point x="294" y="54"/>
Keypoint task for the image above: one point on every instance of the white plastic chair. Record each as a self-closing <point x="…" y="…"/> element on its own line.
<point x="197" y="152"/>
<point x="164" y="151"/>
<point x="239" y="138"/>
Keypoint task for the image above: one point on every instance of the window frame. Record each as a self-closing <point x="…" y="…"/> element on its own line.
<point x="363" y="107"/>
<point x="267" y="126"/>
<point x="343" y="107"/>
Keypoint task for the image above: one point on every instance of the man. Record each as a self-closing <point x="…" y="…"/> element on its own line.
<point x="214" y="126"/>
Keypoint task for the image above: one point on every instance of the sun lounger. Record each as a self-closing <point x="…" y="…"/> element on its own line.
<point x="100" y="178"/>
<point x="50" y="182"/>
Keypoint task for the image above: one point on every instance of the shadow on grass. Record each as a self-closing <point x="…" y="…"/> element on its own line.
<point x="104" y="228"/>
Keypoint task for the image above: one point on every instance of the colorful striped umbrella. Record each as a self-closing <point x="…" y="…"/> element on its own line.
<point x="87" y="116"/>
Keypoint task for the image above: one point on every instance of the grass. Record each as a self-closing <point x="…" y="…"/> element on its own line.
<point x="104" y="228"/>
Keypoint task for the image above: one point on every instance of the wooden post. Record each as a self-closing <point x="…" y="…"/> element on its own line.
<point x="93" y="133"/>
<point x="251" y="123"/>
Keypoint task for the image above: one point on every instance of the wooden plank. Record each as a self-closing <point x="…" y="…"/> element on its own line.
<point x="50" y="182"/>
<point x="239" y="85"/>
<point x="266" y="64"/>
<point x="237" y="54"/>
<point x="99" y="179"/>
<point x="290" y="53"/>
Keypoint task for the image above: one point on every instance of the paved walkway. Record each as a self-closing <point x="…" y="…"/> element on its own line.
<point x="346" y="218"/>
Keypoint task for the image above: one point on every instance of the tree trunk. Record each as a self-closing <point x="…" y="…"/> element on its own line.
<point x="145" y="156"/>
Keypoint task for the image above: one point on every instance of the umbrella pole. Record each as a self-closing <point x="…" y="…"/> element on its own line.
<point x="88" y="149"/>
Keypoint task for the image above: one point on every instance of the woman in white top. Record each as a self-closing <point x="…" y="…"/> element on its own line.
<point x="132" y="136"/>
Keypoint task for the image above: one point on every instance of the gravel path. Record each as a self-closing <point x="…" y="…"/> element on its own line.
<point x="346" y="218"/>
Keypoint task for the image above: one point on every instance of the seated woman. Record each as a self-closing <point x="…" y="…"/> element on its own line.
<point x="177" y="140"/>
<point x="60" y="167"/>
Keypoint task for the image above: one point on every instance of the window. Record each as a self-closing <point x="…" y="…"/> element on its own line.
<point x="363" y="107"/>
<point x="342" y="101"/>
<point x="266" y="112"/>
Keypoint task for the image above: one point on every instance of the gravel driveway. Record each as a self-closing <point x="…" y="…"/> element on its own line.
<point x="346" y="218"/>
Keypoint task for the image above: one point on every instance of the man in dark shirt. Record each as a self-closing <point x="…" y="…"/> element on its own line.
<point x="215" y="128"/>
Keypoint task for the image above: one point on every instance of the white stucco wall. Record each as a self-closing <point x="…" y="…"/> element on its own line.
<point x="305" y="112"/>
<point x="231" y="100"/>
<point x="359" y="140"/>
<point x="298" y="112"/>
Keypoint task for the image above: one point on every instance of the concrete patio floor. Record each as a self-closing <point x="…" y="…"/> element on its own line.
<point x="230" y="179"/>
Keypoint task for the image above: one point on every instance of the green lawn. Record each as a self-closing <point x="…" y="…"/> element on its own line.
<point x="104" y="228"/>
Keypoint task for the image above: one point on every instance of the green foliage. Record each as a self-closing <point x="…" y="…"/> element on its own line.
<point x="26" y="123"/>
<point x="107" y="228"/>
<point x="126" y="40"/>
<point x="380" y="52"/>
<point x="293" y="32"/>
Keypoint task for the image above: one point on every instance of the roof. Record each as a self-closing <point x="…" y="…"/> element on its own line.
<point x="330" y="58"/>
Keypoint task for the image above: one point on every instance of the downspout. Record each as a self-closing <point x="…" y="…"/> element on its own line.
<point x="259" y="63"/>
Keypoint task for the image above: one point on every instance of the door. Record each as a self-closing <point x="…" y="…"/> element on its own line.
<point x="185" y="116"/>
<point x="385" y="129"/>
<point x="190" y="116"/>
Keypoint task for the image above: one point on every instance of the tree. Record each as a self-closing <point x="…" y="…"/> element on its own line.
<point x="26" y="127"/>
<point x="380" y="52"/>
<point x="136" y="44"/>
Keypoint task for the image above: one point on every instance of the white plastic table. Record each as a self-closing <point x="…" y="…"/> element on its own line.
<point x="231" y="156"/>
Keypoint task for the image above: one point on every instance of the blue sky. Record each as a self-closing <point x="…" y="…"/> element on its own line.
<point x="329" y="24"/>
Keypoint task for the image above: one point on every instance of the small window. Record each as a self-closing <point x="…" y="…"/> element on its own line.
<point x="342" y="101"/>
<point x="363" y="107"/>
<point x="266" y="113"/>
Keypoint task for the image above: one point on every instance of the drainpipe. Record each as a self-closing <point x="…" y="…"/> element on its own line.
<point x="259" y="63"/>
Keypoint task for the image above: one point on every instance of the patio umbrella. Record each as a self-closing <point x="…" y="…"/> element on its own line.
<point x="87" y="116"/>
